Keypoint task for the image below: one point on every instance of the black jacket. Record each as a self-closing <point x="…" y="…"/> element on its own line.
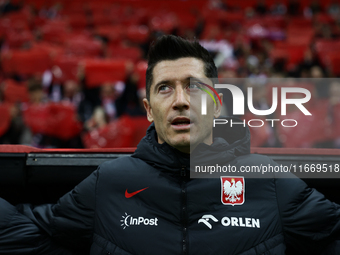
<point x="173" y="214"/>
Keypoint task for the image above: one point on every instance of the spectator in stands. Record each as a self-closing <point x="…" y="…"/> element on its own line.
<point x="109" y="93"/>
<point x="72" y="93"/>
<point x="293" y="7"/>
<point x="116" y="99"/>
<point x="261" y="7"/>
<point x="334" y="9"/>
<point x="321" y="85"/>
<point x="7" y="6"/>
<point x="16" y="128"/>
<point x="97" y="121"/>
<point x="278" y="8"/>
<point x="309" y="60"/>
<point x="217" y="4"/>
<point x="36" y="92"/>
<point x="245" y="50"/>
<point x="313" y="9"/>
<point x="50" y="12"/>
<point x="271" y="212"/>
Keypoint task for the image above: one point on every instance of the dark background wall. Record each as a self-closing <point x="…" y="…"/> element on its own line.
<point x="42" y="176"/>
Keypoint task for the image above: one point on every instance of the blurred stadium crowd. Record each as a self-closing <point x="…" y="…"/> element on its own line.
<point x="73" y="72"/>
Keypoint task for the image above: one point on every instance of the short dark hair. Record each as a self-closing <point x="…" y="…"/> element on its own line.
<point x="170" y="47"/>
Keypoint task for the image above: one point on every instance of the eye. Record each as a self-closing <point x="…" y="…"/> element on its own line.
<point x="194" y="85"/>
<point x="163" y="88"/>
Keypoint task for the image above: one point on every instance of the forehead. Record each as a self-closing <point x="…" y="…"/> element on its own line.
<point x="180" y="69"/>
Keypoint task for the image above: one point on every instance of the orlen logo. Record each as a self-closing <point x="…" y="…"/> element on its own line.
<point x="243" y="222"/>
<point x="128" y="221"/>
<point x="205" y="219"/>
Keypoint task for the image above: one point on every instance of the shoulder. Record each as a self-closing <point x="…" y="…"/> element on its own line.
<point x="122" y="166"/>
<point x="7" y="212"/>
<point x="254" y="159"/>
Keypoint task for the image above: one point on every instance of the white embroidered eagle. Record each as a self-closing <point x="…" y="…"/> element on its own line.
<point x="232" y="191"/>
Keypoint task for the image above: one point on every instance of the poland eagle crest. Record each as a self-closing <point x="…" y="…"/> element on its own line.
<point x="232" y="190"/>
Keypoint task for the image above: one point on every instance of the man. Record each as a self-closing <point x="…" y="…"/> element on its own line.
<point x="147" y="203"/>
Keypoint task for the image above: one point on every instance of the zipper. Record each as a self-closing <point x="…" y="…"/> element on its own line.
<point x="184" y="211"/>
<point x="183" y="171"/>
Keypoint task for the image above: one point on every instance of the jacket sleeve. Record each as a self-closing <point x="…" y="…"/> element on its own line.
<point x="310" y="222"/>
<point x="70" y="222"/>
<point x="19" y="235"/>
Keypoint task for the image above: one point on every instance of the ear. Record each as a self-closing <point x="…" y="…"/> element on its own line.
<point x="218" y="106"/>
<point x="148" y="109"/>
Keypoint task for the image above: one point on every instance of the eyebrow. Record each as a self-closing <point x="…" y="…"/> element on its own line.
<point x="168" y="81"/>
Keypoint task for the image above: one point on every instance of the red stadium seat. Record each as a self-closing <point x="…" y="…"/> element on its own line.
<point x="18" y="39"/>
<point x="140" y="125"/>
<point x="62" y="122"/>
<point x="332" y="60"/>
<point x="15" y="92"/>
<point x="140" y="69"/>
<point x="97" y="7"/>
<point x="325" y="49"/>
<point x="78" y="21"/>
<point x="138" y="34"/>
<point x="37" y="3"/>
<point x="221" y="16"/>
<point x="300" y="36"/>
<point x="53" y="50"/>
<point x="324" y="18"/>
<point x="84" y="47"/>
<point x="266" y="22"/>
<point x="69" y="68"/>
<point x="212" y="31"/>
<point x="116" y="134"/>
<point x="121" y="52"/>
<point x="292" y="52"/>
<point x="99" y="19"/>
<point x="36" y="117"/>
<point x="310" y="129"/>
<point x="299" y="23"/>
<point x="73" y="8"/>
<point x="20" y="19"/>
<point x="241" y="4"/>
<point x="186" y="20"/>
<point x="55" y="32"/>
<point x="99" y="71"/>
<point x="5" y="118"/>
<point x="28" y="62"/>
<point x="57" y="120"/>
<point x="164" y="22"/>
<point x="113" y="32"/>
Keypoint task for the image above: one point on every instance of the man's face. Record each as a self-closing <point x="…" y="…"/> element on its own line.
<point x="177" y="122"/>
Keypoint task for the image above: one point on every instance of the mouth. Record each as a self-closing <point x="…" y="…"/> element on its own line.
<point x="181" y="123"/>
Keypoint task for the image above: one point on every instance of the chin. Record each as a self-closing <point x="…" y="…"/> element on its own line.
<point x="180" y="143"/>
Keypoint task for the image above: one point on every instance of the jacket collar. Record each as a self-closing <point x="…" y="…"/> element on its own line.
<point x="229" y="143"/>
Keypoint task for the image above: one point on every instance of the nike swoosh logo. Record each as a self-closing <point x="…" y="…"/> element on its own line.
<point x="128" y="195"/>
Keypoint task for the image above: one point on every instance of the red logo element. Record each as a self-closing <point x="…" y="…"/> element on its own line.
<point x="128" y="195"/>
<point x="232" y="188"/>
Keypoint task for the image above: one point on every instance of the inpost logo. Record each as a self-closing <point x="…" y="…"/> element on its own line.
<point x="127" y="221"/>
<point x="239" y="102"/>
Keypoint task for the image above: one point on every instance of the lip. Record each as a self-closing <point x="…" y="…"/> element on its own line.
<point x="181" y="126"/>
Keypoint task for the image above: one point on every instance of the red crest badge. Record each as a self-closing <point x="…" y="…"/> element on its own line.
<point x="232" y="188"/>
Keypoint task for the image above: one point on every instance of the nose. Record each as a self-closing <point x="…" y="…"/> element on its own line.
<point x="182" y="99"/>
